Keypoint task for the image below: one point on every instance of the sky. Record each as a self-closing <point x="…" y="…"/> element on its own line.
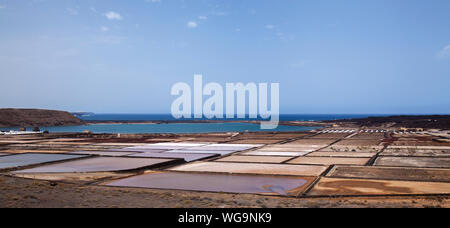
<point x="118" y="56"/>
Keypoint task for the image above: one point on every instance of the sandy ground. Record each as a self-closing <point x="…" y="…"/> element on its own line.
<point x="18" y="193"/>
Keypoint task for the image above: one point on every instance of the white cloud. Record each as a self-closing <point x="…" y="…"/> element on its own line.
<point x="109" y="40"/>
<point x="219" y="13"/>
<point x="202" y="17"/>
<point x="299" y="64"/>
<point x="111" y="15"/>
<point x="153" y="1"/>
<point x="72" y="11"/>
<point x="270" y="26"/>
<point x="104" y="29"/>
<point x="445" y="52"/>
<point x="192" y="24"/>
<point x="285" y="37"/>
<point x="66" y="52"/>
<point x="334" y="24"/>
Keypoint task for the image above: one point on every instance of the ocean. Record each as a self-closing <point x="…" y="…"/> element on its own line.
<point x="182" y="127"/>
<point x="164" y="117"/>
<point x="173" y="128"/>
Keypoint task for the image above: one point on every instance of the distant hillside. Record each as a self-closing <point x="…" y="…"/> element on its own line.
<point x="36" y="117"/>
<point x="413" y="121"/>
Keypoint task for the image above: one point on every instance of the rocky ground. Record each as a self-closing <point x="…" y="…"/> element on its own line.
<point x="36" y="117"/>
<point x="17" y="192"/>
<point x="416" y="121"/>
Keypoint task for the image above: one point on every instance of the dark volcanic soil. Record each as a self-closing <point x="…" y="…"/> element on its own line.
<point x="36" y="117"/>
<point x="425" y="121"/>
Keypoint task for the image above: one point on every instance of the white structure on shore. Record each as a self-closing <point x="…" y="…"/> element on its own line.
<point x="20" y="132"/>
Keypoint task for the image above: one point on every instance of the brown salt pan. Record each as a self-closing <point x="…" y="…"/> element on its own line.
<point x="339" y="186"/>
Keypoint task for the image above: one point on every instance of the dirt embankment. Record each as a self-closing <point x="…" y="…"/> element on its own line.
<point x="36" y="117"/>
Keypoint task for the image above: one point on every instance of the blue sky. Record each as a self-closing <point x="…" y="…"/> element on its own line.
<point x="111" y="56"/>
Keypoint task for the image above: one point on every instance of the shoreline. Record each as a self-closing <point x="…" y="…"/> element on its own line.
<point x="395" y="122"/>
<point x="157" y="127"/>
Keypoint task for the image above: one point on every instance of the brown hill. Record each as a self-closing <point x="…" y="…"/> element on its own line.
<point x="412" y="121"/>
<point x="36" y="117"/>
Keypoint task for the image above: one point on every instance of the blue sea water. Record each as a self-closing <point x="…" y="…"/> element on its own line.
<point x="182" y="127"/>
<point x="173" y="128"/>
<point x="164" y="117"/>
